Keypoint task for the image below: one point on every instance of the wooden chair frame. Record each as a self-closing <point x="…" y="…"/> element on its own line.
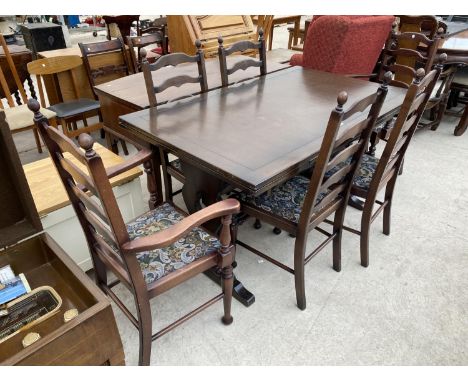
<point x="346" y="150"/>
<point x="390" y="162"/>
<point x="96" y="48"/>
<point x="54" y="66"/>
<point x="239" y="47"/>
<point x="109" y="241"/>
<point x="173" y="59"/>
<point x="24" y="98"/>
<point x="142" y="41"/>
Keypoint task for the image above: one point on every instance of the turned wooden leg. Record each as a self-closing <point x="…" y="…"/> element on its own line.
<point x="228" y="283"/>
<point x="257" y="224"/>
<point x="144" y="333"/>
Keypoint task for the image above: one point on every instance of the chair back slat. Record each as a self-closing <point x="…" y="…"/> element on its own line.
<point x="98" y="226"/>
<point x="336" y="152"/>
<point x="176" y="81"/>
<point x="89" y="203"/>
<point x="240" y="47"/>
<point x="343" y="155"/>
<point x="173" y="59"/>
<point x="77" y="174"/>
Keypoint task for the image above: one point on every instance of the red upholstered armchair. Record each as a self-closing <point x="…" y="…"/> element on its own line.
<point x="344" y="44"/>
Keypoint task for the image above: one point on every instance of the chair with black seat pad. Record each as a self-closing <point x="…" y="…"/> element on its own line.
<point x="376" y="174"/>
<point x="241" y="47"/>
<point x="301" y="204"/>
<point x="172" y="168"/>
<point x="154" y="252"/>
<point x="71" y="111"/>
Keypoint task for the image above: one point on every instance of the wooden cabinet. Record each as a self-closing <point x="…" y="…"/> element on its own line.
<point x="91" y="337"/>
<point x="184" y="30"/>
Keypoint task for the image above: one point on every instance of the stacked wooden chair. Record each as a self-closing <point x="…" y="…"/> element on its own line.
<point x="18" y="116"/>
<point x="135" y="43"/>
<point x="153" y="253"/>
<point x="301" y="204"/>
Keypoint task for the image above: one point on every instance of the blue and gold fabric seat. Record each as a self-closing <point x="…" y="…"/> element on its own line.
<point x="159" y="262"/>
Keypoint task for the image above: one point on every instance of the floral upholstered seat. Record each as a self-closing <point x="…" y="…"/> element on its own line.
<point x="285" y="200"/>
<point x="365" y="172"/>
<point x="363" y="175"/>
<point x="159" y="262"/>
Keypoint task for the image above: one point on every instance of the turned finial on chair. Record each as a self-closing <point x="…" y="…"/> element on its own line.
<point x="198" y="44"/>
<point x="420" y="73"/>
<point x="35" y="107"/>
<point x="388" y="77"/>
<point x="220" y="41"/>
<point x="341" y="99"/>
<point x="86" y="142"/>
<point x="260" y="34"/>
<point x="442" y="59"/>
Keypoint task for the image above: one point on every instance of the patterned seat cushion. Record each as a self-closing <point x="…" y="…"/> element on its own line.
<point x="365" y="173"/>
<point x="176" y="165"/>
<point x="159" y="262"/>
<point x="285" y="200"/>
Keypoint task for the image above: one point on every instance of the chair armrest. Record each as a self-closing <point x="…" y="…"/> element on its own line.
<point x="141" y="157"/>
<point x="168" y="236"/>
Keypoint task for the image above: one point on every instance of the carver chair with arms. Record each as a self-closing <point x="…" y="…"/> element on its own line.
<point x="154" y="252"/>
<point x="299" y="205"/>
<point x="377" y="174"/>
<point x="172" y="168"/>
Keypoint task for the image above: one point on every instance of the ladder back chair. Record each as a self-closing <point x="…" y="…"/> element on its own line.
<point x="240" y="47"/>
<point x="172" y="168"/>
<point x="154" y="252"/>
<point x="106" y="61"/>
<point x="299" y="205"/>
<point x="18" y="116"/>
<point x="403" y="55"/>
<point x="68" y="112"/>
<point x="375" y="174"/>
<point x="138" y="42"/>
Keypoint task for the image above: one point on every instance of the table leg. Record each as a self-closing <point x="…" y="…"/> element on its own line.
<point x="201" y="189"/>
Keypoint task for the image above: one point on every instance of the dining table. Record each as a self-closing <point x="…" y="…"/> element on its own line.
<point x="249" y="136"/>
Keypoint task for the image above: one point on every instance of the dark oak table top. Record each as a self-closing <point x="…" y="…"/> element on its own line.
<point x="131" y="90"/>
<point x="257" y="133"/>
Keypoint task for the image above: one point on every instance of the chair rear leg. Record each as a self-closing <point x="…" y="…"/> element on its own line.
<point x="338" y="230"/>
<point x="365" y="230"/>
<point x="228" y="283"/>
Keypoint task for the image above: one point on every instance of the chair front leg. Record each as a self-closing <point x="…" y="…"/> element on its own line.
<point x="365" y="230"/>
<point x="299" y="279"/>
<point x="338" y="231"/>
<point x="228" y="284"/>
